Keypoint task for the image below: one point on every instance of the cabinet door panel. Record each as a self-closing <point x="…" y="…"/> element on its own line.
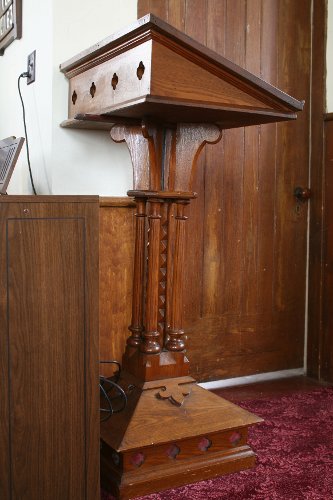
<point x="49" y="299"/>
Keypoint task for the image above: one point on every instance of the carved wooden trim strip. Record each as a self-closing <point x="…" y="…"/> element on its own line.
<point x="163" y="271"/>
<point x="120" y="202"/>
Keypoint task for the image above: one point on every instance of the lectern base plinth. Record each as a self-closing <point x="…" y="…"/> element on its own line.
<point x="157" y="444"/>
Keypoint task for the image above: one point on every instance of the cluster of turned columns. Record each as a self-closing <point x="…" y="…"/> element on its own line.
<point x="157" y="308"/>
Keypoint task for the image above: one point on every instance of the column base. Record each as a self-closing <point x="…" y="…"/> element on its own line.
<point x="159" y="443"/>
<point x="155" y="366"/>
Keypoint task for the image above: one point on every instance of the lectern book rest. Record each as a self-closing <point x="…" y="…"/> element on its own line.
<point x="166" y="96"/>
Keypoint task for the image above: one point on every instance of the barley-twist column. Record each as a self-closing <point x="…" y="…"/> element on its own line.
<point x="151" y="344"/>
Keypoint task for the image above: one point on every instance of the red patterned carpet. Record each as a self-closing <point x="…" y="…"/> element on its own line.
<point x="295" y="454"/>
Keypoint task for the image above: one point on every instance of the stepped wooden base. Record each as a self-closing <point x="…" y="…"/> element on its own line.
<point x="156" y="443"/>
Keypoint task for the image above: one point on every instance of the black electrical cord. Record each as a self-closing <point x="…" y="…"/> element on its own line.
<point x="113" y="397"/>
<point x="108" y="386"/>
<point x="25" y="75"/>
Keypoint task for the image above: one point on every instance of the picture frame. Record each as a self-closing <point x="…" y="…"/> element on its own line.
<point x="10" y="22"/>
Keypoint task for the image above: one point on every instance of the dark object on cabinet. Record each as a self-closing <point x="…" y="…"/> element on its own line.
<point x="49" y="412"/>
<point x="10" y="149"/>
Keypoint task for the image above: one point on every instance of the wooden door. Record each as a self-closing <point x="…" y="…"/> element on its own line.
<point x="49" y="411"/>
<point x="247" y="234"/>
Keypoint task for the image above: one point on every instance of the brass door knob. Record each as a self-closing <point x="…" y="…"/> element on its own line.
<point x="302" y="194"/>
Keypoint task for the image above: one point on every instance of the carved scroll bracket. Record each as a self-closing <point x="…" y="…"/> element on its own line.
<point x="145" y="146"/>
<point x="165" y="157"/>
<point x="190" y="140"/>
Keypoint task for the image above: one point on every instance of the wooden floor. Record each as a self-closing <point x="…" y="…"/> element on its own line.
<point x="270" y="388"/>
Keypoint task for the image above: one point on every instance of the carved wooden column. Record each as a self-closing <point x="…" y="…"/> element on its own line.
<point x="166" y="96"/>
<point x="136" y="326"/>
<point x="175" y="332"/>
<point x="151" y="341"/>
<point x="158" y="286"/>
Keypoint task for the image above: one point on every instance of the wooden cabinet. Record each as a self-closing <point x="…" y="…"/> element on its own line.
<point x="49" y="420"/>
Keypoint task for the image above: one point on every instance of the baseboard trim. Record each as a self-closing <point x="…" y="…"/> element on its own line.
<point x="252" y="379"/>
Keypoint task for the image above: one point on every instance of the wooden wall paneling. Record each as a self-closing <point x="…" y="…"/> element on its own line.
<point x="176" y="13"/>
<point x="293" y="168"/>
<point x="143" y="8"/>
<point x="49" y="434"/>
<point x="326" y="351"/>
<point x="233" y="169"/>
<point x="291" y="232"/>
<point x="157" y="7"/>
<point x="218" y="256"/>
<point x="195" y="9"/>
<point x="213" y="261"/>
<point x="216" y="38"/>
<point x="246" y="300"/>
<point x="116" y="274"/>
<point x="267" y="164"/>
<point x="251" y="176"/>
<point x="230" y="190"/>
<point x="256" y="344"/>
<point x="317" y="203"/>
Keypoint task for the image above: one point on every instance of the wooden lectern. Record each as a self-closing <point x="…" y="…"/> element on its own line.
<point x="166" y="96"/>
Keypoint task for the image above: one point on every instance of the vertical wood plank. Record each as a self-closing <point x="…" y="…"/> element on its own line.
<point x="216" y="25"/>
<point x="143" y="8"/>
<point x="160" y="9"/>
<point x="91" y="215"/>
<point x="176" y="14"/>
<point x="293" y="168"/>
<point x="157" y="7"/>
<point x="250" y="180"/>
<point x="267" y="161"/>
<point x="293" y="162"/>
<point x="234" y="168"/>
<point x="325" y="346"/>
<point x="195" y="10"/>
<point x="214" y="265"/>
<point x="317" y="293"/>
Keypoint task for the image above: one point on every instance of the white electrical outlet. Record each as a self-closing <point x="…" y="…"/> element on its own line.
<point x="31" y="69"/>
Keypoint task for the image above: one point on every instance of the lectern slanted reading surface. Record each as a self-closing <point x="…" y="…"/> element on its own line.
<point x="166" y="96"/>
